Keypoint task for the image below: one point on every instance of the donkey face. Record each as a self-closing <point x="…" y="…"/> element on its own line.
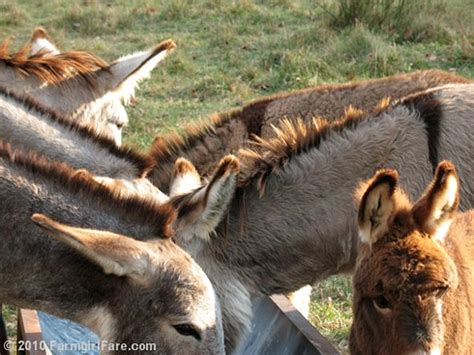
<point x="403" y="274"/>
<point x="96" y="96"/>
<point x="159" y="294"/>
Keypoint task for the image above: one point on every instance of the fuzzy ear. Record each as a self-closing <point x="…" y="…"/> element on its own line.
<point x="377" y="205"/>
<point x="185" y="178"/>
<point x="128" y="71"/>
<point x="434" y="211"/>
<point x="201" y="211"/>
<point x="114" y="253"/>
<point x="40" y="42"/>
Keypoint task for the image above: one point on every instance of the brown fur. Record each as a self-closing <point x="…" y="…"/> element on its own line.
<point x="39" y="32"/>
<point x="52" y="69"/>
<point x="81" y="182"/>
<point x="226" y="132"/>
<point x="404" y="275"/>
<point x="142" y="162"/>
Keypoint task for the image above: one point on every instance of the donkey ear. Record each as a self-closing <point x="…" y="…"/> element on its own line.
<point x="201" y="211"/>
<point x="185" y="178"/>
<point x="434" y="211"/>
<point x="114" y="253"/>
<point x="128" y="71"/>
<point x="377" y="205"/>
<point x="40" y="42"/>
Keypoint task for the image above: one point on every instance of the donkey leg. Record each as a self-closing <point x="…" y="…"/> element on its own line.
<point x="301" y="299"/>
<point x="3" y="335"/>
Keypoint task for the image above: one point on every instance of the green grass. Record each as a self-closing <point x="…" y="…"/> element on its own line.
<point x="230" y="52"/>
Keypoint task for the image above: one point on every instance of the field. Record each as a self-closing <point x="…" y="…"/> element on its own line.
<point x="230" y="52"/>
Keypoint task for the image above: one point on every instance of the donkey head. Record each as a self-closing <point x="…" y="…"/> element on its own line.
<point x="403" y="273"/>
<point x="159" y="295"/>
<point x="94" y="97"/>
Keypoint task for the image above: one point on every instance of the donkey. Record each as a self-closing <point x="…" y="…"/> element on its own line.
<point x="206" y="142"/>
<point x="26" y="124"/>
<point x="78" y="84"/>
<point x="108" y="274"/>
<point x="280" y="234"/>
<point x="414" y="275"/>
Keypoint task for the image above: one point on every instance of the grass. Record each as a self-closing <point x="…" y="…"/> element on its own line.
<point x="230" y="52"/>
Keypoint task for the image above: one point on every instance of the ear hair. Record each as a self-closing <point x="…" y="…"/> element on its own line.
<point x="435" y="210"/>
<point x="185" y="178"/>
<point x="114" y="253"/>
<point x="128" y="71"/>
<point x="377" y="205"/>
<point x="41" y="43"/>
<point x="203" y="209"/>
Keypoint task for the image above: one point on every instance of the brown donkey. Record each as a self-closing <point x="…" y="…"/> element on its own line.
<point x="208" y="141"/>
<point x="280" y="233"/>
<point x="414" y="277"/>
<point x="140" y="290"/>
<point x="78" y="84"/>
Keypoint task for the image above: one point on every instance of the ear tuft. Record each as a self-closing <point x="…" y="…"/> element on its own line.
<point x="228" y="165"/>
<point x="377" y="205"/>
<point x="435" y="209"/>
<point x="184" y="166"/>
<point x="166" y="45"/>
<point x="184" y="179"/>
<point x="39" y="32"/>
<point x="42" y="220"/>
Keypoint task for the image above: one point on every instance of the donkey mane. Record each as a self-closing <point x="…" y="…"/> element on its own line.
<point x="52" y="69"/>
<point x="81" y="183"/>
<point x="294" y="137"/>
<point x="166" y="148"/>
<point x="142" y="162"/>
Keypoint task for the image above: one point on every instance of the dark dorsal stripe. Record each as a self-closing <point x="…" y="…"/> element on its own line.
<point x="80" y="184"/>
<point x="142" y="162"/>
<point x="429" y="109"/>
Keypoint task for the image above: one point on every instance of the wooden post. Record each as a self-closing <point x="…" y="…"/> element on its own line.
<point x="29" y="333"/>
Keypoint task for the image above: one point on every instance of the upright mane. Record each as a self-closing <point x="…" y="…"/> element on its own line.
<point x="80" y="183"/>
<point x="292" y="138"/>
<point x="142" y="162"/>
<point x="52" y="69"/>
<point x="166" y="148"/>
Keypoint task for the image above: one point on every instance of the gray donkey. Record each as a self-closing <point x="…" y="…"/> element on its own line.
<point x="26" y="124"/>
<point x="207" y="141"/>
<point x="78" y="84"/>
<point x="126" y="290"/>
<point x="281" y="234"/>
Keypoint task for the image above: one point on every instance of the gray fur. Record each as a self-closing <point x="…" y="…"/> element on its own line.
<point x="41" y="273"/>
<point x="302" y="230"/>
<point x="99" y="105"/>
<point x="27" y="127"/>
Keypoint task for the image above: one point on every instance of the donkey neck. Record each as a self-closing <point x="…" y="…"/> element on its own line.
<point x="302" y="229"/>
<point x="28" y="128"/>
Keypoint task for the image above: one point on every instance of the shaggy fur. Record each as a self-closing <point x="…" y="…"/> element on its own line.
<point x="27" y="124"/>
<point x="411" y="292"/>
<point x="287" y="237"/>
<point x="226" y="132"/>
<point x="95" y="276"/>
<point x="52" y="69"/>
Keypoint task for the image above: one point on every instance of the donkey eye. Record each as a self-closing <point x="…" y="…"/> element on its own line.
<point x="440" y="291"/>
<point x="382" y="304"/>
<point x="187" y="330"/>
